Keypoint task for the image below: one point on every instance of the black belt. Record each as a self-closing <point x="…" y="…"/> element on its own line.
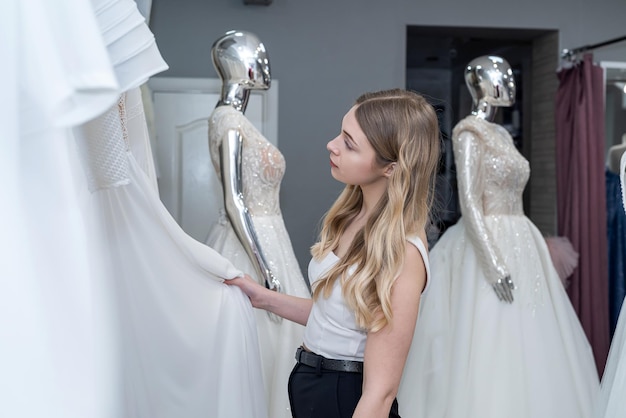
<point x="319" y="362"/>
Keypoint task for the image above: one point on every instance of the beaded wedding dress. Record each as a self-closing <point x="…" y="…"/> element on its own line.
<point x="187" y="341"/>
<point x="263" y="167"/>
<point x="527" y="359"/>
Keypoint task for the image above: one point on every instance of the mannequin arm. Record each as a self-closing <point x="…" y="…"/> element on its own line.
<point x="468" y="155"/>
<point x="238" y="214"/>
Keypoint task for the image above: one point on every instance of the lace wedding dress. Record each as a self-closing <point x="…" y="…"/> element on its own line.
<point x="527" y="359"/>
<point x="263" y="167"/>
<point x="187" y="342"/>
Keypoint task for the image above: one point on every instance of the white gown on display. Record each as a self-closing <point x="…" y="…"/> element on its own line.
<point x="262" y="172"/>
<point x="528" y="359"/>
<point x="187" y="341"/>
<point x="611" y="402"/>
<point x="54" y="359"/>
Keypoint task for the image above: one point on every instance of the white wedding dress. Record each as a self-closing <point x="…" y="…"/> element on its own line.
<point x="187" y="342"/>
<point x="56" y="355"/>
<point x="611" y="402"/>
<point x="262" y="172"/>
<point x="528" y="359"/>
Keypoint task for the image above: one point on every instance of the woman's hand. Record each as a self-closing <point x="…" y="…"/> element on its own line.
<point x="251" y="288"/>
<point x="286" y="306"/>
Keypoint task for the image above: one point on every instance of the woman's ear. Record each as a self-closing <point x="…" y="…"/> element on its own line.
<point x="389" y="169"/>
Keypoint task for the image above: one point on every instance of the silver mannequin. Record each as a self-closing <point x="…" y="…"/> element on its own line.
<point x="243" y="65"/>
<point x="491" y="84"/>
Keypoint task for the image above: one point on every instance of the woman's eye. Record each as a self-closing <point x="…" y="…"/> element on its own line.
<point x="347" y="144"/>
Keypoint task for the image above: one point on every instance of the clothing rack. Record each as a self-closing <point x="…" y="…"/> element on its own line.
<point x="571" y="53"/>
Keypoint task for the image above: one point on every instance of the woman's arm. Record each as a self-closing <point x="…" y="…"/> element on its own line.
<point x="236" y="209"/>
<point x="289" y="307"/>
<point x="386" y="350"/>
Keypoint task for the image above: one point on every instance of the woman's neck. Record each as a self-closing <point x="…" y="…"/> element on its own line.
<point x="372" y="194"/>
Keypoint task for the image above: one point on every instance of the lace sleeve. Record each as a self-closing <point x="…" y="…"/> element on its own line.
<point x="468" y="155"/>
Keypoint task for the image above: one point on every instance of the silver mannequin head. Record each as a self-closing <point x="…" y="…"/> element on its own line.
<point x="491" y="84"/>
<point x="242" y="63"/>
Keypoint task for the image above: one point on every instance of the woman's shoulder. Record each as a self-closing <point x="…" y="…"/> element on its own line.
<point x="418" y="240"/>
<point x="418" y="243"/>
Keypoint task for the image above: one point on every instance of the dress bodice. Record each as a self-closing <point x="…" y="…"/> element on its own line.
<point x="263" y="165"/>
<point x="491" y="175"/>
<point x="499" y="172"/>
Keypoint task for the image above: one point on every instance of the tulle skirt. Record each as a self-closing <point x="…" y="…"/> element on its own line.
<point x="475" y="356"/>
<point x="187" y="342"/>
<point x="278" y="340"/>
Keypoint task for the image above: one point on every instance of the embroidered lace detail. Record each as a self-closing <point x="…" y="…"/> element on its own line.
<point x="263" y="165"/>
<point x="121" y="107"/>
<point x="503" y="170"/>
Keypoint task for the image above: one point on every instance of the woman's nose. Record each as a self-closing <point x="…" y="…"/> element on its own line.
<point x="332" y="147"/>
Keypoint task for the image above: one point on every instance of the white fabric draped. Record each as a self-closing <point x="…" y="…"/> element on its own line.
<point x="65" y="63"/>
<point x="53" y="357"/>
<point x="185" y="338"/>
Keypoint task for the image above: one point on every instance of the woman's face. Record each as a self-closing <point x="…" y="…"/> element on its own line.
<point x="352" y="157"/>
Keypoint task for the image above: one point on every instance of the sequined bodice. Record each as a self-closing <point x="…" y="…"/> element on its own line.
<point x="491" y="175"/>
<point x="263" y="166"/>
<point x="496" y="164"/>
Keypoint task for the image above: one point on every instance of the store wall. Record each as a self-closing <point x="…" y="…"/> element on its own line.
<point x="326" y="52"/>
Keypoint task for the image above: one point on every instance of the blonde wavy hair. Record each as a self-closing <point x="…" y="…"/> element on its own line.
<point x="402" y="127"/>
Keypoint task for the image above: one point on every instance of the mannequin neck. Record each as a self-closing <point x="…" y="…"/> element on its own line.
<point x="482" y="110"/>
<point x="234" y="95"/>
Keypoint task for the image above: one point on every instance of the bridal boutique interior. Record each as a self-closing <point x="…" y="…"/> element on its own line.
<point x="324" y="54"/>
<point x="333" y="45"/>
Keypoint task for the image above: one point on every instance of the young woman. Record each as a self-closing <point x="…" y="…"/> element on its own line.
<point x="370" y="265"/>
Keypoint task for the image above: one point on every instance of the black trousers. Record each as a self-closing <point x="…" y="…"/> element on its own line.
<point x="317" y="393"/>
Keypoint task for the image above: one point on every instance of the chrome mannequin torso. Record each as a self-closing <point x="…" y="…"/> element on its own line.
<point x="491" y="84"/>
<point x="242" y="64"/>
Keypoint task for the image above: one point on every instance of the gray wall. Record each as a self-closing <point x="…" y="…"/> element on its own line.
<point x="326" y="52"/>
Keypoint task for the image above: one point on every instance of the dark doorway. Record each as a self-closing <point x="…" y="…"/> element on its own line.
<point x="435" y="62"/>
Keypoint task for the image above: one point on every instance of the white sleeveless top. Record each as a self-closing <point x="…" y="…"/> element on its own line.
<point x="331" y="330"/>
